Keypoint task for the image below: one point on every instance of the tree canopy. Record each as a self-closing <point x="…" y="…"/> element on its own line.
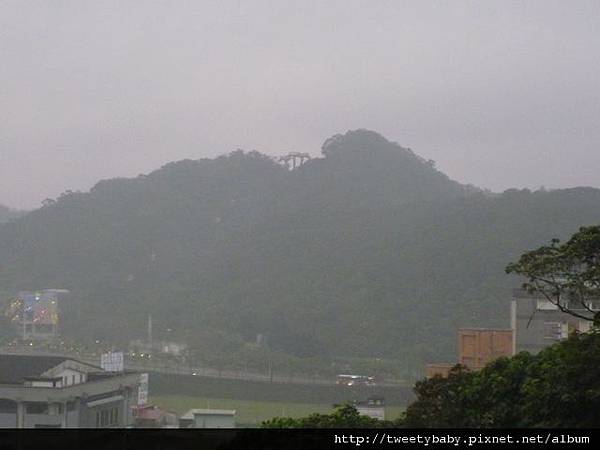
<point x="343" y="416"/>
<point x="558" y="387"/>
<point x="568" y="274"/>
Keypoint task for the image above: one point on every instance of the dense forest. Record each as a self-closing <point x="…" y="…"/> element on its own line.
<point x="367" y="251"/>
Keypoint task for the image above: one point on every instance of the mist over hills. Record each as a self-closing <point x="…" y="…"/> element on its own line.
<point x="7" y="214"/>
<point x="368" y="251"/>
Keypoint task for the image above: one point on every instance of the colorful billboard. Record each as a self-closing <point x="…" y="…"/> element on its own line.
<point x="40" y="307"/>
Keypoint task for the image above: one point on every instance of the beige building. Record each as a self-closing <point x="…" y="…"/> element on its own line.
<point x="476" y="348"/>
<point x="479" y="346"/>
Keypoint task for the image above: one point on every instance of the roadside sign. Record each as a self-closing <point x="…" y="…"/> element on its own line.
<point x="112" y="361"/>
<point x="143" y="389"/>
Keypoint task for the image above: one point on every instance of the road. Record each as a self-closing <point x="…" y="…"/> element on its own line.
<point x="180" y="369"/>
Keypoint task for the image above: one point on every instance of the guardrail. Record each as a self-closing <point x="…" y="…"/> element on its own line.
<point x="181" y="369"/>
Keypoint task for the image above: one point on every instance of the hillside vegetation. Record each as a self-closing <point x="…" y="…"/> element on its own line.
<point x="7" y="214"/>
<point x="368" y="251"/>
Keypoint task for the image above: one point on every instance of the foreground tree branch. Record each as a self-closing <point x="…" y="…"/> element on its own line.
<point x="567" y="275"/>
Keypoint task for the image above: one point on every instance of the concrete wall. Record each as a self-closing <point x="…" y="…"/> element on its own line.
<point x="8" y="420"/>
<point x="72" y="419"/>
<point x="71" y="377"/>
<point x="33" y="420"/>
<point x="30" y="420"/>
<point x="8" y="413"/>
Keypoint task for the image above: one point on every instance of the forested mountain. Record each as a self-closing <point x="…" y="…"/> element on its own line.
<point x="367" y="251"/>
<point x="7" y="213"/>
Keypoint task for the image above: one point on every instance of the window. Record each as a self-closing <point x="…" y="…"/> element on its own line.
<point x="7" y="406"/>
<point x="546" y="305"/>
<point x="73" y="379"/>
<point x="36" y="408"/>
<point x="584" y="326"/>
<point x="107" y="417"/>
<point x="594" y="305"/>
<point x="556" y="330"/>
<point x="114" y="416"/>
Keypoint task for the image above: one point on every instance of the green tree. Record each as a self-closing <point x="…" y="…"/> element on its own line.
<point x="344" y="416"/>
<point x="441" y="402"/>
<point x="556" y="388"/>
<point x="495" y="393"/>
<point x="561" y="388"/>
<point x="567" y="275"/>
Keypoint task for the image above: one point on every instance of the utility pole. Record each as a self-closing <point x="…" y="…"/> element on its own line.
<point x="150" y="331"/>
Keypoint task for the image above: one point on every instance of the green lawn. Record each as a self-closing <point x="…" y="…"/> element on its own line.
<point x="250" y="413"/>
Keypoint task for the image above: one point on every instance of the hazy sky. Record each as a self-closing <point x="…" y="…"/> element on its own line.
<point x="499" y="93"/>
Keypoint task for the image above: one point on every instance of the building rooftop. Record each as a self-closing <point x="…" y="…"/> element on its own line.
<point x="15" y="368"/>
<point x="524" y="294"/>
<point x="102" y="374"/>
<point x="484" y="329"/>
<point x="208" y="412"/>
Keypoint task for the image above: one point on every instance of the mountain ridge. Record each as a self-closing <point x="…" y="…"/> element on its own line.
<point x="368" y="251"/>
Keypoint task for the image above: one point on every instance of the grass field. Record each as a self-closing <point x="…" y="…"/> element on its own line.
<point x="249" y="412"/>
<point x="258" y="391"/>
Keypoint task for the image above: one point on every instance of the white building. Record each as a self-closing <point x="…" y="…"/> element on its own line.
<point x="208" y="418"/>
<point x="60" y="392"/>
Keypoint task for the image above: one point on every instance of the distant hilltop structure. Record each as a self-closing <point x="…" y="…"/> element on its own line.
<point x="36" y="314"/>
<point x="293" y="159"/>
